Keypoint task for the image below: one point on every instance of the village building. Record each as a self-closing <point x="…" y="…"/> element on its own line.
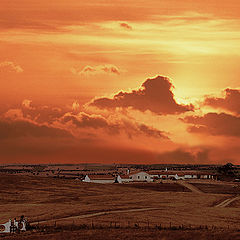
<point x="165" y="175"/>
<point x="140" y="177"/>
<point x="149" y="176"/>
<point x="101" y="179"/>
<point x="181" y="175"/>
<point x="124" y="179"/>
<point x="133" y="177"/>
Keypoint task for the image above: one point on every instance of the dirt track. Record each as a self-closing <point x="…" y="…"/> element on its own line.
<point x="226" y="202"/>
<point x="190" y="187"/>
<point x="97" y="214"/>
<point x="222" y="204"/>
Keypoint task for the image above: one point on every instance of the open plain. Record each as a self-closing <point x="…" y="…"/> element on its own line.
<point x="162" y="210"/>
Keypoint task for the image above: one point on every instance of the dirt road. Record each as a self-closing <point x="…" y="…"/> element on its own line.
<point x="97" y="214"/>
<point x="226" y="202"/>
<point x="190" y="187"/>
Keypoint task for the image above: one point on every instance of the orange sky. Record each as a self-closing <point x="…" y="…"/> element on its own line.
<point x="64" y="63"/>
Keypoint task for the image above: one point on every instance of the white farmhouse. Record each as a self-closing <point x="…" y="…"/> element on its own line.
<point x="124" y="179"/>
<point x="86" y="179"/>
<point x="140" y="177"/>
<point x="190" y="176"/>
<point x="101" y="178"/>
<point x="181" y="175"/>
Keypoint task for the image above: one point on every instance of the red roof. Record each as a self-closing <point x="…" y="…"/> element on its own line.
<point x="179" y="173"/>
<point x="124" y="176"/>
<point x="136" y="172"/>
<point x="101" y="177"/>
<point x="157" y="172"/>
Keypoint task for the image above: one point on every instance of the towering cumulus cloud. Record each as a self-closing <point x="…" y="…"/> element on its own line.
<point x="154" y="95"/>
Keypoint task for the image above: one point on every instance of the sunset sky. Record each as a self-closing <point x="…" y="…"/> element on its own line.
<point x="99" y="81"/>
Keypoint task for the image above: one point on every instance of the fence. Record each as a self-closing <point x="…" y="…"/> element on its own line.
<point x="55" y="226"/>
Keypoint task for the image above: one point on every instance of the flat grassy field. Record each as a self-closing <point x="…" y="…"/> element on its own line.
<point x="62" y="202"/>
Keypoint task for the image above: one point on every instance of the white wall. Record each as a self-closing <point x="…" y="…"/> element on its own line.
<point x="86" y="179"/>
<point x="188" y="176"/>
<point x="141" y="176"/>
<point x="103" y="181"/>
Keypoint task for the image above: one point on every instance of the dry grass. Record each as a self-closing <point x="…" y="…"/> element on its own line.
<point x="41" y="198"/>
<point x="127" y="234"/>
<point x="235" y="204"/>
<point x="161" y="187"/>
<point x="218" y="188"/>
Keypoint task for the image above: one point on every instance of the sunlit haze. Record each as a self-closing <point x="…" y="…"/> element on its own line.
<point x="120" y="81"/>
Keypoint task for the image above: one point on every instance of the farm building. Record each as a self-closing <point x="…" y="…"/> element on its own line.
<point x="199" y="175"/>
<point x="180" y="175"/>
<point x="149" y="176"/>
<point x="101" y="178"/>
<point x="124" y="179"/>
<point x="165" y="175"/>
<point x="140" y="177"/>
<point x="133" y="177"/>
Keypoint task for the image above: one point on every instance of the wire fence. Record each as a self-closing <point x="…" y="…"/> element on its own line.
<point x="58" y="226"/>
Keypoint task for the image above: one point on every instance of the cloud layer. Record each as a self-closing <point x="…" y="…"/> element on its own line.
<point x="230" y="102"/>
<point x="10" y="67"/>
<point x="155" y="95"/>
<point x="131" y="128"/>
<point x="39" y="132"/>
<point x="21" y="128"/>
<point x="215" y="124"/>
<point x="96" y="70"/>
<point x="190" y="156"/>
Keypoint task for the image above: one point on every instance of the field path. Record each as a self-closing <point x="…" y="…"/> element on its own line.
<point x="97" y="214"/>
<point x="190" y="187"/>
<point x="226" y="202"/>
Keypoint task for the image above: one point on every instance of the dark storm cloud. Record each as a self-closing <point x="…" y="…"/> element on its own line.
<point x="21" y="128"/>
<point x="230" y="102"/>
<point x="215" y="124"/>
<point x="84" y="120"/>
<point x="154" y="95"/>
<point x="184" y="156"/>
